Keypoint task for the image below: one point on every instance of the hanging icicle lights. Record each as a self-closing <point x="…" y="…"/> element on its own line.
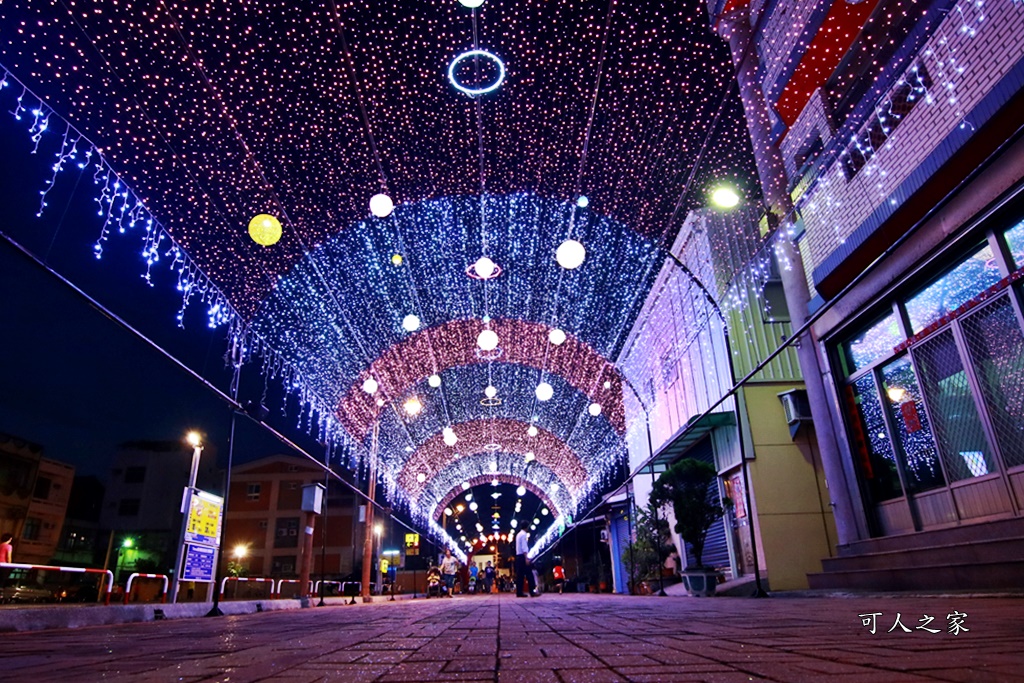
<point x="604" y="111"/>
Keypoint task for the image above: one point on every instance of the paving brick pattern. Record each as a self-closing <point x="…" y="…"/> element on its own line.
<point x="561" y="639"/>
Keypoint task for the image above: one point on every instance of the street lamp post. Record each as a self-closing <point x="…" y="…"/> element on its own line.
<point x="194" y="440"/>
<point x="378" y="530"/>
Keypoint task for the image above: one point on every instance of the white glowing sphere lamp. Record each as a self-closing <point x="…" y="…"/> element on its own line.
<point x="532" y="431"/>
<point x="556" y="337"/>
<point x="370" y="386"/>
<point x="487" y="340"/>
<point x="529" y="457"/>
<point x="420" y="478"/>
<point x="411" y="323"/>
<point x="544" y="391"/>
<point x="570" y="254"/>
<point x="484" y="267"/>
<point x="490" y="391"/>
<point x="434" y="381"/>
<point x="471" y="4"/>
<point x="381" y="205"/>
<point x="594" y="409"/>
<point x="448" y="434"/>
<point x="521" y="491"/>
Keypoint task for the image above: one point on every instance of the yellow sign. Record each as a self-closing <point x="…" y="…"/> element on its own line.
<point x="204" y="518"/>
<point x="384" y="564"/>
<point x="412" y="544"/>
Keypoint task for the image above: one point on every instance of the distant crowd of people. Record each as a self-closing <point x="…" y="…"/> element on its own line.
<point x="443" y="579"/>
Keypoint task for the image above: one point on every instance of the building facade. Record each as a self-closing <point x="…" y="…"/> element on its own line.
<point x="703" y="327"/>
<point x="888" y="141"/>
<point x="141" y="517"/>
<point x="34" y="493"/>
<point x="265" y="522"/>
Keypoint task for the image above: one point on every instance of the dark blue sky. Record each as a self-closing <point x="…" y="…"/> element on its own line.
<point x="72" y="380"/>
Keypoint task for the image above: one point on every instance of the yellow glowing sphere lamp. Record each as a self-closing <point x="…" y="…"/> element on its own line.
<point x="265" y="230"/>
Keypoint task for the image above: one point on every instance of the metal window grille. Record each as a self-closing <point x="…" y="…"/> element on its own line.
<point x="996" y="346"/>
<point x="957" y="427"/>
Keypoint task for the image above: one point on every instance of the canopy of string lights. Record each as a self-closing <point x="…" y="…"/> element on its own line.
<point x="457" y="213"/>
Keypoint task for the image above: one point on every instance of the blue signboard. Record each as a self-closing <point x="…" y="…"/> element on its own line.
<point x="199" y="561"/>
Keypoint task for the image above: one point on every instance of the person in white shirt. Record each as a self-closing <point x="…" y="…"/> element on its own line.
<point x="449" y="567"/>
<point x="524" y="572"/>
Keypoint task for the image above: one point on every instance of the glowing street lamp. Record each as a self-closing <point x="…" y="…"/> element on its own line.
<point x="195" y="440"/>
<point x="724" y="197"/>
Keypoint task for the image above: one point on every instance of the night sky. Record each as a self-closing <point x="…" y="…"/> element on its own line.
<point x="74" y="381"/>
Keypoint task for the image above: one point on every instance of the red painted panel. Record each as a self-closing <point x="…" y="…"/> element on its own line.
<point x="837" y="33"/>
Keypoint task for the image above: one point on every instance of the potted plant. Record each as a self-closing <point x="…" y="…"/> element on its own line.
<point x="642" y="556"/>
<point x="687" y="485"/>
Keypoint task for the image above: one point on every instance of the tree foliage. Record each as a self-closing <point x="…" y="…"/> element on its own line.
<point x="642" y="558"/>
<point x="687" y="486"/>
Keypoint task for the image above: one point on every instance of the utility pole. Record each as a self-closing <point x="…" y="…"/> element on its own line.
<point x="371" y="490"/>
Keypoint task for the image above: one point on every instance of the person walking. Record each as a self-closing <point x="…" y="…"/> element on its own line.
<point x="488" y="577"/>
<point x="558" y="573"/>
<point x="524" y="573"/>
<point x="449" y="567"/>
<point x="6" y="548"/>
<point x="474" y="577"/>
<point x="6" y="555"/>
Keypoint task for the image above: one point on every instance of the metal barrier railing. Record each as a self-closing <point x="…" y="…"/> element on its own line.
<point x="131" y="580"/>
<point x="336" y="584"/>
<point x="73" y="570"/>
<point x="281" y="582"/>
<point x="240" y="579"/>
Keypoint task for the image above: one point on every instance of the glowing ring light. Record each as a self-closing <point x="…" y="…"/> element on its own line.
<point x="490" y="402"/>
<point x="492" y="447"/>
<point x="475" y="92"/>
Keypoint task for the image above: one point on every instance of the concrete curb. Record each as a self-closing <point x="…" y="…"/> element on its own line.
<point x="45" y="617"/>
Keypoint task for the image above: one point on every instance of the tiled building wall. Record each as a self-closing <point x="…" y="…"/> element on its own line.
<point x="782" y="34"/>
<point x="965" y="58"/>
<point x="811" y="124"/>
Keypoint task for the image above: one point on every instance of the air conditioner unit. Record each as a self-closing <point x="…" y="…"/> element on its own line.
<point x="796" y="406"/>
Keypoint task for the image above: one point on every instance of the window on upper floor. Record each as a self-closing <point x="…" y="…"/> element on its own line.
<point x="888" y="114"/>
<point x="253" y="491"/>
<point x="42" y="489"/>
<point x="134" y="475"/>
<point x="128" y="507"/>
<point x="30" y="532"/>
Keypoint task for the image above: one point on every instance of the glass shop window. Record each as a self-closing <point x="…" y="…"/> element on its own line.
<point x="874" y="343"/>
<point x="1015" y="241"/>
<point x="910" y="423"/>
<point x="870" y="441"/>
<point x="971" y="276"/>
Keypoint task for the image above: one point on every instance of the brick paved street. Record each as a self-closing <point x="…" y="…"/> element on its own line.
<point x="554" y="638"/>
